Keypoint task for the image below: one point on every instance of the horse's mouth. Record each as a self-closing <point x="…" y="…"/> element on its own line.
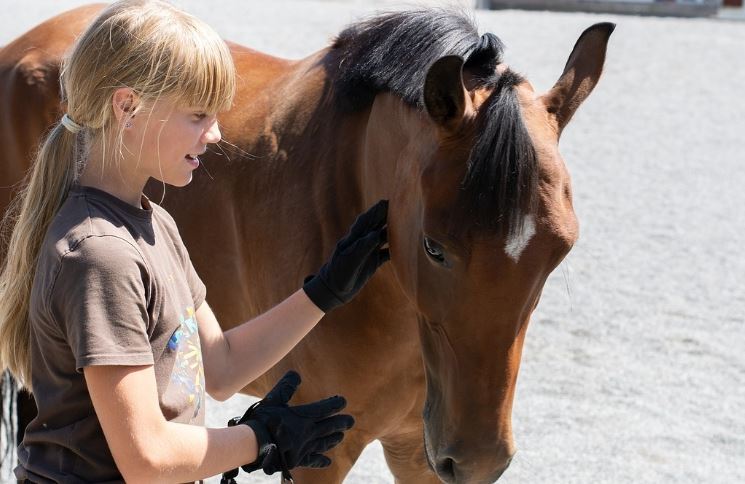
<point x="426" y="452"/>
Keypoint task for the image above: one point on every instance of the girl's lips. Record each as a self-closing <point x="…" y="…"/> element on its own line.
<point x="194" y="162"/>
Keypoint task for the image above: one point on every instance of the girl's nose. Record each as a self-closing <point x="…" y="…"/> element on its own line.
<point x="212" y="135"/>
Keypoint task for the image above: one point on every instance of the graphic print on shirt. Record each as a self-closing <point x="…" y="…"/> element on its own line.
<point x="188" y="372"/>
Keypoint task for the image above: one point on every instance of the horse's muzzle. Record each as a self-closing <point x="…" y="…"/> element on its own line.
<point x="453" y="468"/>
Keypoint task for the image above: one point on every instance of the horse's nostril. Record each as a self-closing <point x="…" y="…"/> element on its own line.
<point x="445" y="469"/>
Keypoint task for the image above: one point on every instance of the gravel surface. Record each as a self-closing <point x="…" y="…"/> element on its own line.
<point x="633" y="369"/>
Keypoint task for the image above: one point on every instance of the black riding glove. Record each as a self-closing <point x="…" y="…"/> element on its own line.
<point x="293" y="436"/>
<point x="355" y="259"/>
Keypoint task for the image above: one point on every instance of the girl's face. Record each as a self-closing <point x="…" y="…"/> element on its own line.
<point x="168" y="139"/>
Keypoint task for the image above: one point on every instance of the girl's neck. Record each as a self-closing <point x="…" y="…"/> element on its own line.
<point x="120" y="179"/>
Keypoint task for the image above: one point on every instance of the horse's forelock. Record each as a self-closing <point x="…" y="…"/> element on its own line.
<point x="501" y="176"/>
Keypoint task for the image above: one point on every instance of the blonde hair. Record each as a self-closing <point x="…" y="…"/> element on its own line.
<point x="148" y="46"/>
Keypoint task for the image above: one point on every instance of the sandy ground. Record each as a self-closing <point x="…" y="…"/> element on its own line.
<point x="634" y="368"/>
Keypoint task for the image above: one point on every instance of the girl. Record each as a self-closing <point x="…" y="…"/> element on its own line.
<point x="101" y="311"/>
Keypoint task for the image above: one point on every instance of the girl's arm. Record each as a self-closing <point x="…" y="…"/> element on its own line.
<point x="237" y="357"/>
<point x="146" y="447"/>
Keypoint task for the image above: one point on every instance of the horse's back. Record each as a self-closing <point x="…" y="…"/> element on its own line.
<point x="29" y="91"/>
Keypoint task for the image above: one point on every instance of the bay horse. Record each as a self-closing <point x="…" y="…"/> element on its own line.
<point x="415" y="107"/>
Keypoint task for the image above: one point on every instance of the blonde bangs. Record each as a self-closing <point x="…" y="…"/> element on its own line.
<point x="205" y="70"/>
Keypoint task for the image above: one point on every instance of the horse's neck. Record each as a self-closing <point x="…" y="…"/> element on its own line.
<point x="293" y="129"/>
<point x="298" y="139"/>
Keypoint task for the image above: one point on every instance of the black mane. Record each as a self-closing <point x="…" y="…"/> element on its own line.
<point x="393" y="53"/>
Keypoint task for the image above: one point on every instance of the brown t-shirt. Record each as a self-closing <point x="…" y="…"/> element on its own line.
<point x="113" y="286"/>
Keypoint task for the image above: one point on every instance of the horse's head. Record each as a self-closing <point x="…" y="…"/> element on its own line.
<point x="480" y="215"/>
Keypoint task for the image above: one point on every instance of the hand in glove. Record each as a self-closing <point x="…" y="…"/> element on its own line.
<point x="293" y="436"/>
<point x="354" y="260"/>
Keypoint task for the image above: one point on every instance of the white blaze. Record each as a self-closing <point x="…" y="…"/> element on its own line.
<point x="518" y="241"/>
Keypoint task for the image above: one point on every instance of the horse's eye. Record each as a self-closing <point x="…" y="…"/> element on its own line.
<point x="433" y="250"/>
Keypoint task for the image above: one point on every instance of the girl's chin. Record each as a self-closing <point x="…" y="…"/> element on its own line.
<point x="176" y="182"/>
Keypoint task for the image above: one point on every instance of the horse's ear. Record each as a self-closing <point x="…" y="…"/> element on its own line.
<point x="580" y="75"/>
<point x="444" y="93"/>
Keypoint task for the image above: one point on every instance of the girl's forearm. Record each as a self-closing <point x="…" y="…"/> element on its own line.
<point x="186" y="453"/>
<point x="257" y="345"/>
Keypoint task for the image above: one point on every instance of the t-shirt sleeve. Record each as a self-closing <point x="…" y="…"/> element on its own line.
<point x="99" y="298"/>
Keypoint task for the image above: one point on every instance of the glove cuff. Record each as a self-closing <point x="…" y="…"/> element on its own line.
<point x="320" y="294"/>
<point x="263" y="443"/>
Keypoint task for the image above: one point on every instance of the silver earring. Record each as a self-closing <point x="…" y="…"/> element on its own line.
<point x="128" y="124"/>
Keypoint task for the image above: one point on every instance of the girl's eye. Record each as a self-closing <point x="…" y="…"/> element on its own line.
<point x="200" y="116"/>
<point x="433" y="250"/>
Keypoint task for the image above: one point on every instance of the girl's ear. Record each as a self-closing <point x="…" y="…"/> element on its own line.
<point x="124" y="102"/>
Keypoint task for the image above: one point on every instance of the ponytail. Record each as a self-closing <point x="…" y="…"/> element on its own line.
<point x="29" y="216"/>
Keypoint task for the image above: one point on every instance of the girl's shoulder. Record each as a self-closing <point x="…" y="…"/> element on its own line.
<point x="86" y="214"/>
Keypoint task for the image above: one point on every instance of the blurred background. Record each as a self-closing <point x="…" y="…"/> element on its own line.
<point x="634" y="364"/>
